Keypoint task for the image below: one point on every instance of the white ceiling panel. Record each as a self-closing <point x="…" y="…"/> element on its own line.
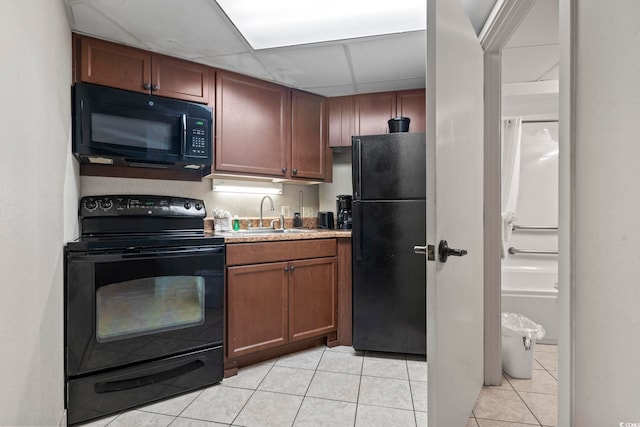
<point x="89" y="21"/>
<point x="243" y="63"/>
<point x="332" y="90"/>
<point x="395" y="57"/>
<point x="392" y="85"/>
<point x="528" y="64"/>
<point x="539" y="27"/>
<point x="315" y="65"/>
<point x="190" y="29"/>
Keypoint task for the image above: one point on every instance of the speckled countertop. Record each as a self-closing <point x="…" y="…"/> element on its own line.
<point x="306" y="234"/>
<point x="309" y="231"/>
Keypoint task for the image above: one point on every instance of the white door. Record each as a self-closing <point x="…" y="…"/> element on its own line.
<point x="454" y="213"/>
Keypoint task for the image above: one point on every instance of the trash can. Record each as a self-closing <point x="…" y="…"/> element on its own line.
<point x="519" y="336"/>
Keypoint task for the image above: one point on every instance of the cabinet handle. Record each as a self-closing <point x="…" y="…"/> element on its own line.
<point x="155" y="87"/>
<point x="284" y="170"/>
<point x="286" y="269"/>
<point x="292" y="268"/>
<point x="295" y="171"/>
<point x="146" y="86"/>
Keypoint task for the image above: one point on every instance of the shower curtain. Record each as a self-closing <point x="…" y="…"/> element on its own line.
<point x="510" y="175"/>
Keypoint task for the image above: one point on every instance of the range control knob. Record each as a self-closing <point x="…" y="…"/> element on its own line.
<point x="187" y="205"/>
<point x="90" y="205"/>
<point x="198" y="206"/>
<point x="106" y="204"/>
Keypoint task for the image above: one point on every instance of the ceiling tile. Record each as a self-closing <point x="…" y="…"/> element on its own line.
<point x="392" y="85"/>
<point x="393" y="57"/>
<point x="184" y="29"/>
<point x="539" y="27"/>
<point x="528" y="63"/>
<point x="332" y="90"/>
<point x="88" y="21"/>
<point x="318" y="65"/>
<point x="243" y="63"/>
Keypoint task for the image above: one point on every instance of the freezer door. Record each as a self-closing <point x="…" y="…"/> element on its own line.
<point x="389" y="295"/>
<point x="389" y="167"/>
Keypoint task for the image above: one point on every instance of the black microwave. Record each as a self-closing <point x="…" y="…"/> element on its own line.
<point x="123" y="128"/>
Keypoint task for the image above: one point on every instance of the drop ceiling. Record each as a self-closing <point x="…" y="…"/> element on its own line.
<point x="198" y="30"/>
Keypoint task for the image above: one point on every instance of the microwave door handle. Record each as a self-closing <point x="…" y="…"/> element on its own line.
<point x="184" y="134"/>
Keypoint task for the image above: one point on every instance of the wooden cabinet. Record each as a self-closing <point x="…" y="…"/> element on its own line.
<point x="253" y="126"/>
<point x="128" y="68"/>
<point x="265" y="129"/>
<point x="367" y="114"/>
<point x="282" y="293"/>
<point x="308" y="136"/>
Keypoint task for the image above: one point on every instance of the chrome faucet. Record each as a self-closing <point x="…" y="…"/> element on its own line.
<point x="261" y="203"/>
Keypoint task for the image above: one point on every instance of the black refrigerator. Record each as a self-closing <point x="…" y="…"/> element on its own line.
<point x="389" y="219"/>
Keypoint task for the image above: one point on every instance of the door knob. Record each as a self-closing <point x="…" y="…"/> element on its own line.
<point x="425" y="250"/>
<point x="444" y="251"/>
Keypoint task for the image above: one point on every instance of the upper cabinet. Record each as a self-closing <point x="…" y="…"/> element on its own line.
<point x="253" y="126"/>
<point x="367" y="114"/>
<point x="264" y="129"/>
<point x="128" y="68"/>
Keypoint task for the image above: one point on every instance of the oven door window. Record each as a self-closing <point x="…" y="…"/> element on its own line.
<point x="149" y="305"/>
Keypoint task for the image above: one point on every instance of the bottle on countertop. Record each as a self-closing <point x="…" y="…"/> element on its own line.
<point x="236" y="223"/>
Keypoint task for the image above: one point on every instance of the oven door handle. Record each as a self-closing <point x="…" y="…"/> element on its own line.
<point x="130" y="253"/>
<point x="111" y="386"/>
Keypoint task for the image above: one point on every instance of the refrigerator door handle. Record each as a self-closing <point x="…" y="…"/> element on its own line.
<point x="428" y="250"/>
<point x="358" y="172"/>
<point x="356" y="232"/>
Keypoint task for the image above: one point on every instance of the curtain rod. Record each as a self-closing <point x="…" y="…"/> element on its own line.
<point x="540" y="121"/>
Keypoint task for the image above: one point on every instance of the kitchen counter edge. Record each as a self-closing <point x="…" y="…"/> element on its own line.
<point x="232" y="237"/>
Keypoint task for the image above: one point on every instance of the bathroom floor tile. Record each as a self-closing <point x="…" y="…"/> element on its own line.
<point x="472" y="422"/>
<point x="266" y="409"/>
<point x="546" y="348"/>
<point x="543" y="406"/>
<point x="495" y="423"/>
<point x="541" y="382"/>
<point x="376" y="416"/>
<point x="388" y="392"/>
<point x="548" y="360"/>
<point x="325" y="413"/>
<point x="503" y="405"/>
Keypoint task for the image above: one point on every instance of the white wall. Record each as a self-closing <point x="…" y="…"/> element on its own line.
<point x="38" y="189"/>
<point x="341" y="180"/>
<point x="606" y="208"/>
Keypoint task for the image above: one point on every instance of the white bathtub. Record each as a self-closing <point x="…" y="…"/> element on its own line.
<point x="532" y="291"/>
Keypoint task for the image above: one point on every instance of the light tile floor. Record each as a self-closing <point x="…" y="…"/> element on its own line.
<point x="341" y="387"/>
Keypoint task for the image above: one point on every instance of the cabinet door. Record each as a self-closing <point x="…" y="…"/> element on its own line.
<point x="373" y="111"/>
<point x="412" y="104"/>
<point x="114" y="65"/>
<point x="253" y="126"/>
<point x="256" y="308"/>
<point x="313" y="298"/>
<point x="175" y="78"/>
<point x="308" y="136"/>
<point x="341" y="121"/>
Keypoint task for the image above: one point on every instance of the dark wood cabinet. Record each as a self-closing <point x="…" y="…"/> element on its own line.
<point x="412" y="104"/>
<point x="128" y="68"/>
<point x="279" y="294"/>
<point x="257" y="307"/>
<point x="313" y="298"/>
<point x="367" y="114"/>
<point x="341" y="121"/>
<point x="253" y="126"/>
<point x="372" y="111"/>
<point x="308" y="136"/>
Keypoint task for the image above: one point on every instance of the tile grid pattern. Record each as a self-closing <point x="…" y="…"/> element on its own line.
<point x="316" y="387"/>
<point x="520" y="402"/>
<point x="342" y="387"/>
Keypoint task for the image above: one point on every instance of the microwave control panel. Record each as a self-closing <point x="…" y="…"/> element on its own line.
<point x="198" y="138"/>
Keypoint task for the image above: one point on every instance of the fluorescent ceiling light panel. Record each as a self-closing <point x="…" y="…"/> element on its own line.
<point x="268" y="24"/>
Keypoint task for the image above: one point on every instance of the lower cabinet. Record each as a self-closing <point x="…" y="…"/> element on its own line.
<point x="280" y="293"/>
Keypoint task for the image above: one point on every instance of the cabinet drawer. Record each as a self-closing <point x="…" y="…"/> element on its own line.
<point x="253" y="253"/>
